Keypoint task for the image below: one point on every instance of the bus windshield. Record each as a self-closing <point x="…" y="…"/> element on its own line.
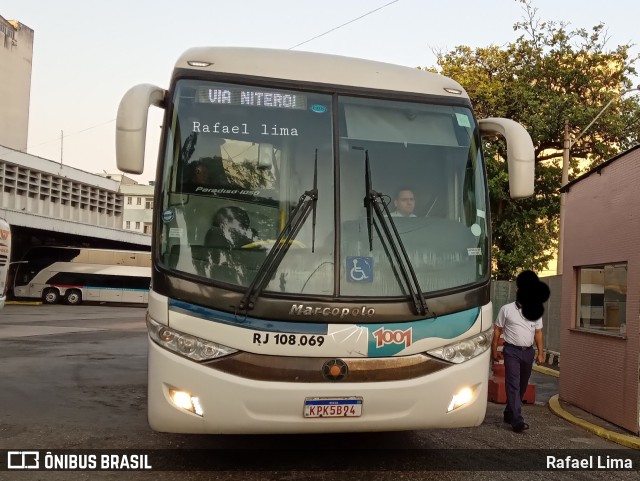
<point x="239" y="159"/>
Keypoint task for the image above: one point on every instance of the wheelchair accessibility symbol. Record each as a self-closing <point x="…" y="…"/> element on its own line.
<point x="359" y="269"/>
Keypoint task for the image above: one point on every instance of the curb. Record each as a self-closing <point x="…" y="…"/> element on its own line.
<point x="23" y="303"/>
<point x="622" y="439"/>
<point x="546" y="370"/>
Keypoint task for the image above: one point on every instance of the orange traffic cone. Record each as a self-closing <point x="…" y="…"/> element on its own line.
<point x="497" y="390"/>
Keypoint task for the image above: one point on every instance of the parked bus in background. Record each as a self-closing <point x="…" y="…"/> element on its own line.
<point x="5" y="259"/>
<point x="74" y="274"/>
<point x="280" y="301"/>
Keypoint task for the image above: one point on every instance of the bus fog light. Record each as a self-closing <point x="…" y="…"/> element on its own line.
<point x="185" y="400"/>
<point x="462" y="397"/>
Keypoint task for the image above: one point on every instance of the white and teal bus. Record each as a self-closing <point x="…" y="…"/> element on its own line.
<point x="77" y="274"/>
<point x="5" y="259"/>
<point x="286" y="297"/>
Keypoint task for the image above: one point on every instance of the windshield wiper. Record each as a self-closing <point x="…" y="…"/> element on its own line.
<point x="308" y="202"/>
<point x="374" y="203"/>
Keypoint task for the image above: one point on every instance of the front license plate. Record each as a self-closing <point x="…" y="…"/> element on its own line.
<point x="333" y="407"/>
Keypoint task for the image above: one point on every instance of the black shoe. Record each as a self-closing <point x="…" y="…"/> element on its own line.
<point x="507" y="418"/>
<point x="518" y="428"/>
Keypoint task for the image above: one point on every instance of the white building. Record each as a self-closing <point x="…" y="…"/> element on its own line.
<point x="137" y="205"/>
<point x="16" y="55"/>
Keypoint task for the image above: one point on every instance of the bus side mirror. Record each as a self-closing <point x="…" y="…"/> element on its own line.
<point x="520" y="154"/>
<point x="131" y="125"/>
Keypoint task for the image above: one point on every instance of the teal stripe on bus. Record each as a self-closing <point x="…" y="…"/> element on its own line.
<point x="101" y="288"/>
<point x="247" y="322"/>
<point x="445" y="327"/>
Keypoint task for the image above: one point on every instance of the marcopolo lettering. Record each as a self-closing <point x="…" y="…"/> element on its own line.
<point x="341" y="312"/>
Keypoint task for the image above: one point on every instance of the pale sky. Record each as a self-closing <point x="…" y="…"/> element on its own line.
<point x="88" y="53"/>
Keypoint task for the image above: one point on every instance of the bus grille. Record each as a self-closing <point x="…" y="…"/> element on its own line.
<point x="309" y="369"/>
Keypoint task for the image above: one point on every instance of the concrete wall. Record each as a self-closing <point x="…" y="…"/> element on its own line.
<point x="16" y="54"/>
<point x="602" y="226"/>
<point x="40" y="187"/>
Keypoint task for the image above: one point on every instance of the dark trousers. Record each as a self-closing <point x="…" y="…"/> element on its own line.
<point x="518" y="363"/>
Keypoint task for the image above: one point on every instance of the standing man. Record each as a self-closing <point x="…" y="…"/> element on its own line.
<point x="405" y="204"/>
<point x="521" y="324"/>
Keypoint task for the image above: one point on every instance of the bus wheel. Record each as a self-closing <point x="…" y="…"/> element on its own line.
<point x="73" y="297"/>
<point x="50" y="296"/>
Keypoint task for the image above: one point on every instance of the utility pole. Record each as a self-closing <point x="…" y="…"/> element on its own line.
<point x="565" y="178"/>
<point x="61" y="144"/>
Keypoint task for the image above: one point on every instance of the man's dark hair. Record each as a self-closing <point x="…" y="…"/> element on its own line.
<point x="403" y="189"/>
<point x="531" y="295"/>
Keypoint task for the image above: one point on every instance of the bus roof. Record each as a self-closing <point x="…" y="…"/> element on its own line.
<point x="319" y="68"/>
<point x="103" y="249"/>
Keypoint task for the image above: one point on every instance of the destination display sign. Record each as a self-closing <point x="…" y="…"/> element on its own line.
<point x="276" y="99"/>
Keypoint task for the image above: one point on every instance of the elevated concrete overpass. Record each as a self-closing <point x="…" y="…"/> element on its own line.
<point x="32" y="229"/>
<point x="48" y="203"/>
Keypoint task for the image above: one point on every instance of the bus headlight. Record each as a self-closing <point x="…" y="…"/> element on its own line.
<point x="466" y="349"/>
<point x="186" y="345"/>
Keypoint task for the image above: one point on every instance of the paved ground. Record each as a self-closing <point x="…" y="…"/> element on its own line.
<point x="75" y="378"/>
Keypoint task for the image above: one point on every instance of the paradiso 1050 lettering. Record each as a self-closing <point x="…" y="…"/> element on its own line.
<point x="342" y="312"/>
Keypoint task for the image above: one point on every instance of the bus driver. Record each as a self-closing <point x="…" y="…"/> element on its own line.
<point x="405" y="204"/>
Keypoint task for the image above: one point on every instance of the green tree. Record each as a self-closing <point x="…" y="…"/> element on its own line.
<point x="548" y="75"/>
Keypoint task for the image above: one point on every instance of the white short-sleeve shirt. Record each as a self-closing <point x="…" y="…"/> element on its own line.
<point x="395" y="213"/>
<point x="517" y="329"/>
